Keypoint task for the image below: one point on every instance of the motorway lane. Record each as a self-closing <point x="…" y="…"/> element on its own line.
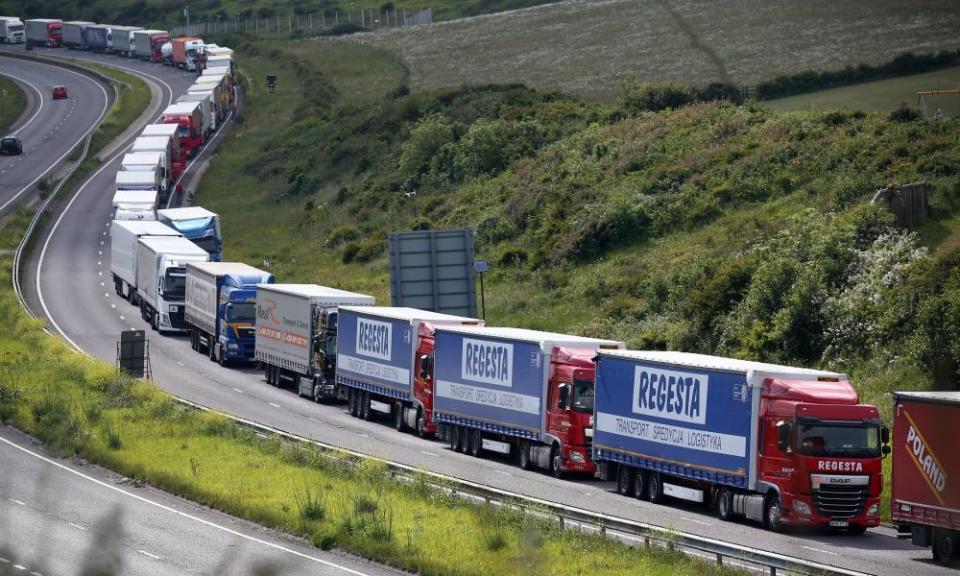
<point x="53" y="512"/>
<point x="75" y="281"/>
<point x="53" y="128"/>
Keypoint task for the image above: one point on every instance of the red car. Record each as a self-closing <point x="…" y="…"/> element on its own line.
<point x="59" y="92"/>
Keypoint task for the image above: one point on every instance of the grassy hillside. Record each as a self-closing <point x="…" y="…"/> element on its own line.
<point x="164" y="13"/>
<point x="13" y="102"/>
<point x="881" y="95"/>
<point x="712" y="228"/>
<point x="579" y="47"/>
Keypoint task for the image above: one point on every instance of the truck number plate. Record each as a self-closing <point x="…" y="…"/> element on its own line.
<point x="839" y="523"/>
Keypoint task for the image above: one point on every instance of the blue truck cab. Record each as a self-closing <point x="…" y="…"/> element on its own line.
<point x="221" y="309"/>
<point x="197" y="224"/>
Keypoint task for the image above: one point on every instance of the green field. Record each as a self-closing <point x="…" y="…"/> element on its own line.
<point x="580" y="47"/>
<point x="13" y="101"/>
<point x="882" y="95"/>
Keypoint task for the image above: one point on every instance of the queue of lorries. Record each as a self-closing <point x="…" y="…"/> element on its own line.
<point x="777" y="444"/>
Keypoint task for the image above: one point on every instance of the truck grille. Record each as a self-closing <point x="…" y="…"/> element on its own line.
<point x="840" y="502"/>
<point x="176" y="319"/>
<point x="246" y="333"/>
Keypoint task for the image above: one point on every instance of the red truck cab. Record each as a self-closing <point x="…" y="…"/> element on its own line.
<point x="820" y="450"/>
<point x="55" y="34"/>
<point x="570" y="407"/>
<point x="156" y="45"/>
<point x="190" y="129"/>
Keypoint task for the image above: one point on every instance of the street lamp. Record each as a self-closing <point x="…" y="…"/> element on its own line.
<point x="479" y="266"/>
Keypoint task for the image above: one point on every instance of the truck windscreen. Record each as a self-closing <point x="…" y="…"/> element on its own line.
<point x="174" y="284"/>
<point x="844" y="441"/>
<point x="583" y="396"/>
<point x="245" y="312"/>
<point x="208" y="243"/>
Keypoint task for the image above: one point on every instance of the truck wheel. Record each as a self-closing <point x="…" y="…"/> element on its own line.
<point x="455" y="442"/>
<point x="211" y="350"/>
<point x="398" y="417"/>
<point x="640" y="485"/>
<point x="450" y="432"/>
<point x="155" y="321"/>
<point x="525" y="463"/>
<point x="945" y="546"/>
<point x="556" y="462"/>
<point x="221" y="356"/>
<point x="476" y="443"/>
<point x="351" y="402"/>
<point x="771" y="513"/>
<point x="317" y="396"/>
<point x="655" y="488"/>
<point x="725" y="505"/>
<point x="365" y="405"/>
<point x="421" y="424"/>
<point x="625" y="477"/>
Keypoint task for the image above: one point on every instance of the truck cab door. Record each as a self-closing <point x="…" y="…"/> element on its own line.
<point x="774" y="464"/>
<point x="558" y="411"/>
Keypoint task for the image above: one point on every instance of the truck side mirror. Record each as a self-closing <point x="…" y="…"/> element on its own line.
<point x="885" y="450"/>
<point x="564" y="401"/>
<point x="885" y="435"/>
<point x="783" y="436"/>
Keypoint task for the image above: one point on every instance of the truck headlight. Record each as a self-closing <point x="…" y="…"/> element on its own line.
<point x="173" y="309"/>
<point x="577" y="457"/>
<point x="801" y="507"/>
<point x="232" y="346"/>
<point x="588" y="432"/>
<point x="873" y="510"/>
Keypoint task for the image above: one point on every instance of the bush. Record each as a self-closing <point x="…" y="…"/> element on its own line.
<point x="341" y="234"/>
<point x="426" y="138"/>
<point x="905" y="114"/>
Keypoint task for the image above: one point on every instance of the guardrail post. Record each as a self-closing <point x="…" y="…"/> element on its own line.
<point x="560" y="516"/>
<point x="773" y="571"/>
<point x="719" y="559"/>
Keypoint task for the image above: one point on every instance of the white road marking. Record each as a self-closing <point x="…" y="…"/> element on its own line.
<point x="819" y="550"/>
<point x="362" y="434"/>
<point x="15" y="501"/>
<point x="180" y="363"/>
<point x="698" y="521"/>
<point x="113" y="306"/>
<point x="184" y="515"/>
<point x="428" y="453"/>
<point x="4" y="560"/>
<point x="19" y="566"/>
<point x="77" y="526"/>
<point x="122" y="318"/>
<point x="271" y="403"/>
<point x="312" y="419"/>
<point x="239" y="391"/>
<point x="504" y="472"/>
<point x="145" y="553"/>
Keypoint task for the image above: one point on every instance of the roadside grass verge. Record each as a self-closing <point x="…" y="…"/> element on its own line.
<point x="14" y="101"/>
<point x="77" y="405"/>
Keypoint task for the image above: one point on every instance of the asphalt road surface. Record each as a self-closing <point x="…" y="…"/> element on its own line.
<point x="58" y="515"/>
<point x="77" y="295"/>
<point x="49" y="128"/>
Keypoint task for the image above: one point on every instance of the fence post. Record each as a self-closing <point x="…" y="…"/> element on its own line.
<point x="323" y="20"/>
<point x="311" y="21"/>
<point x="363" y="16"/>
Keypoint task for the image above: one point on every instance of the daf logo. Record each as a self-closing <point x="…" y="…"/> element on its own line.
<point x="839" y="480"/>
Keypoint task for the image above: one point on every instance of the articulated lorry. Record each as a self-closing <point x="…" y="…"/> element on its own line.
<point x="135" y="205"/>
<point x="208" y="113"/>
<point x="153" y="162"/>
<point x="175" y="159"/>
<point x="197" y="224"/>
<point x="164" y="145"/>
<point x="11" y="30"/>
<point x="123" y="39"/>
<point x="183" y="52"/>
<point x="383" y="360"/>
<point x="297" y="335"/>
<point x="925" y="499"/>
<point x="220" y="96"/>
<point x="221" y="309"/>
<point x="515" y="391"/>
<point x="161" y="280"/>
<point x="776" y="444"/>
<point x="75" y="34"/>
<point x="187" y="117"/>
<point x="147" y="44"/>
<point x="44" y="32"/>
<point x="123" y="252"/>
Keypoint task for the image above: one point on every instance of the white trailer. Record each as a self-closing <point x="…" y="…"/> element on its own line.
<point x="123" y="252"/>
<point x="43" y="32"/>
<point x="135" y="205"/>
<point x="148" y="162"/>
<point x="123" y="39"/>
<point x="161" y="280"/>
<point x="296" y="324"/>
<point x="75" y="34"/>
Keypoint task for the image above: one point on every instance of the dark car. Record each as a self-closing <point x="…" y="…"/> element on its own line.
<point x="11" y="146"/>
<point x="59" y="92"/>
